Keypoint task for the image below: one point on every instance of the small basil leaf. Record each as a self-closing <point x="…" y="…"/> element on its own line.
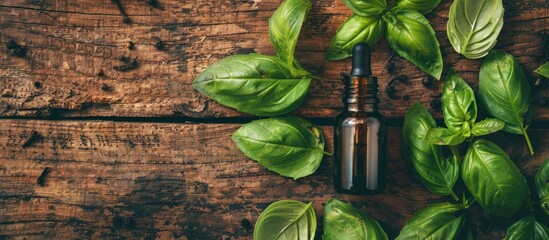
<point x="254" y="83"/>
<point x="367" y="7"/>
<point x="543" y="70"/>
<point x="411" y="36"/>
<point x="474" y="26"/>
<point x="458" y="102"/>
<point x="355" y="29"/>
<point x="428" y="161"/>
<point x="466" y="129"/>
<point x="487" y="126"/>
<point x="493" y="179"/>
<point x="505" y="93"/>
<point x="436" y="221"/>
<point x="290" y="146"/>
<point x="286" y="219"/>
<point x="542" y="185"/>
<point x="443" y="136"/>
<point x="527" y="229"/>
<point x="284" y="28"/>
<point x="422" y="6"/>
<point x="344" y="222"/>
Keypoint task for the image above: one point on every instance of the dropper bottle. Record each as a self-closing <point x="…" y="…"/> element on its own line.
<point x="360" y="132"/>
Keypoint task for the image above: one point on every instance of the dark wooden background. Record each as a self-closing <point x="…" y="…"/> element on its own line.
<point x="141" y="154"/>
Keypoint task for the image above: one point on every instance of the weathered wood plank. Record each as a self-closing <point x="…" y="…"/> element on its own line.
<point x="70" y="41"/>
<point x="189" y="181"/>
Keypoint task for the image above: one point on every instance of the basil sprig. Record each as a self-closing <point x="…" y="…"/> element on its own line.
<point x="489" y="176"/>
<point x="407" y="31"/>
<point x="259" y="84"/>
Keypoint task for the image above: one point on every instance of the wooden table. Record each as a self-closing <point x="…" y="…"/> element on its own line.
<point x="141" y="154"/>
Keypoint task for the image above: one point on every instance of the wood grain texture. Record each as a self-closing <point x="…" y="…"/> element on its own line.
<point x="187" y="181"/>
<point x="68" y="42"/>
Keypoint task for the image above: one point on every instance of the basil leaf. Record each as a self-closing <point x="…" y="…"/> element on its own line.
<point x="487" y="126"/>
<point x="411" y="36"/>
<point x="474" y="26"/>
<point x="344" y="222"/>
<point x="543" y="70"/>
<point x="436" y="172"/>
<point x="254" y="83"/>
<point x="443" y="136"/>
<point x="542" y="184"/>
<point x="493" y="179"/>
<point x="284" y="28"/>
<point x="527" y="229"/>
<point x="354" y="30"/>
<point x="436" y="221"/>
<point x="458" y="102"/>
<point x="286" y="219"/>
<point x="367" y="7"/>
<point x="422" y="6"/>
<point x="290" y="146"/>
<point x="505" y="93"/>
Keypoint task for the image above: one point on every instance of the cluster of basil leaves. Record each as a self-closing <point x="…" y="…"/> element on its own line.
<point x="289" y="219"/>
<point x="270" y="86"/>
<point x="489" y="175"/>
<point x="473" y="27"/>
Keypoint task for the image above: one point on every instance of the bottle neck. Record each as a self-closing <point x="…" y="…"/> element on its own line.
<point x="360" y="94"/>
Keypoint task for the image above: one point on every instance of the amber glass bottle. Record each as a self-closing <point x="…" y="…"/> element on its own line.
<point x="359" y="134"/>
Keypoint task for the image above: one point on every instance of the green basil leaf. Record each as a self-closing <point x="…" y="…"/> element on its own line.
<point x="542" y="185"/>
<point x="443" y="136"/>
<point x="493" y="179"/>
<point x="487" y="126"/>
<point x="543" y="70"/>
<point x="458" y="102"/>
<point x="286" y="219"/>
<point x="411" y="36"/>
<point x="436" y="221"/>
<point x="254" y="83"/>
<point x="422" y="6"/>
<point x="474" y="26"/>
<point x="504" y="91"/>
<point x="284" y="28"/>
<point x="290" y="146"/>
<point x="367" y="7"/>
<point x="433" y="169"/>
<point x="354" y="30"/>
<point x="344" y="222"/>
<point x="527" y="229"/>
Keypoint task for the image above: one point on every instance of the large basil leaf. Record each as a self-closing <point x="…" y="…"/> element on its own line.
<point x="290" y="146"/>
<point x="411" y="36"/>
<point x="542" y="184"/>
<point x="543" y="70"/>
<point x="487" y="126"/>
<point x="527" y="229"/>
<point x="344" y="222"/>
<point x="433" y="169"/>
<point x="504" y="91"/>
<point x="254" y="83"/>
<point x="444" y="136"/>
<point x="474" y="26"/>
<point x="458" y="102"/>
<point x="436" y="221"/>
<point x="284" y="27"/>
<point x="286" y="219"/>
<point x="367" y="7"/>
<point x="493" y="179"/>
<point x="422" y="6"/>
<point x="355" y="29"/>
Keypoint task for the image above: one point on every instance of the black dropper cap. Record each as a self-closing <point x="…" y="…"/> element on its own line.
<point x="361" y="60"/>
